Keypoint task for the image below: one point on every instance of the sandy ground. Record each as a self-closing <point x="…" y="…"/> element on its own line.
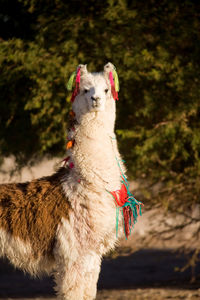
<point x="145" y="274"/>
<point x="137" y="294"/>
<point x="136" y="270"/>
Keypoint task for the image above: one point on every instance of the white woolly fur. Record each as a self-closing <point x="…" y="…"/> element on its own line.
<point x="88" y="230"/>
<point x="92" y="226"/>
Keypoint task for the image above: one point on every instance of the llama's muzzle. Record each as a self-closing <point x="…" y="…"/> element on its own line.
<point x="96" y="101"/>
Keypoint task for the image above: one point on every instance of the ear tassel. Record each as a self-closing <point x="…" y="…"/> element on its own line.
<point x="116" y="80"/>
<point x="114" y="85"/>
<point x="113" y="77"/>
<point x="71" y="81"/>
<point x="77" y="83"/>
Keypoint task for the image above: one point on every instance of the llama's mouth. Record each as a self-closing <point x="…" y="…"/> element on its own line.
<point x="97" y="106"/>
<point x="96" y="103"/>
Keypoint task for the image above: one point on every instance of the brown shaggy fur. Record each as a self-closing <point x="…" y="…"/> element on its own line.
<point x="33" y="210"/>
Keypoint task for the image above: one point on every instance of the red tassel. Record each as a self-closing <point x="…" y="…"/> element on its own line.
<point x="114" y="93"/>
<point x="121" y="198"/>
<point x="71" y="165"/>
<point x="77" y="86"/>
<point x="123" y="195"/>
<point x="65" y="160"/>
<point x="128" y="220"/>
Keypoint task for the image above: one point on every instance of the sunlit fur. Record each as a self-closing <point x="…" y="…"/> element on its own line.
<point x="64" y="223"/>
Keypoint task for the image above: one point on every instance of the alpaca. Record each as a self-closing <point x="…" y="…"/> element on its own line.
<point x="64" y="223"/>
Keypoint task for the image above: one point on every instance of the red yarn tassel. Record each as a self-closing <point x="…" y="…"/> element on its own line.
<point x="114" y="92"/>
<point x="65" y="160"/>
<point x="77" y="86"/>
<point x="128" y="220"/>
<point x="129" y="206"/>
<point x="120" y="196"/>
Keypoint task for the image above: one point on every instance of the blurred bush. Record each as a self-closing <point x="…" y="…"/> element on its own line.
<point x="155" y="47"/>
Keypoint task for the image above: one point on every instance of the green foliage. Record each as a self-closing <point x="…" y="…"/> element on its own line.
<point x="156" y="51"/>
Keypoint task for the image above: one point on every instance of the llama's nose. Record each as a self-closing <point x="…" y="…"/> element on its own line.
<point x="95" y="101"/>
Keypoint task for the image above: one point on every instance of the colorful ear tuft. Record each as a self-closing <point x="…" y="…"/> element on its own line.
<point x="76" y="74"/>
<point x="113" y="89"/>
<point x="71" y="81"/>
<point x="116" y="80"/>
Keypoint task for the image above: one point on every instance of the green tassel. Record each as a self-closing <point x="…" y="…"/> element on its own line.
<point x="71" y="81"/>
<point x="116" y="80"/>
<point x="117" y="220"/>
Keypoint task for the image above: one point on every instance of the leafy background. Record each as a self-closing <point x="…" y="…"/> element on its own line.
<point x="155" y="47"/>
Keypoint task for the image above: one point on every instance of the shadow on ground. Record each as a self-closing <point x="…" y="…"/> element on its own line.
<point x="145" y="268"/>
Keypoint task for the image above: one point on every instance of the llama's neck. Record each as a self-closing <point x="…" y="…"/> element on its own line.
<point x="102" y="122"/>
<point x="94" y="152"/>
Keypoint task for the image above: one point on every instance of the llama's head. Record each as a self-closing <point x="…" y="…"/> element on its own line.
<point x="93" y="91"/>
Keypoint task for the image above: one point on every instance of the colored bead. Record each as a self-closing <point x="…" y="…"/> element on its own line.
<point x="69" y="144"/>
<point x="71" y="165"/>
<point x="72" y="114"/>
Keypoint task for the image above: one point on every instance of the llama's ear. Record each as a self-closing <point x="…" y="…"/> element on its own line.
<point x="109" y="67"/>
<point x="80" y="71"/>
<point x="111" y="73"/>
<point x="83" y="69"/>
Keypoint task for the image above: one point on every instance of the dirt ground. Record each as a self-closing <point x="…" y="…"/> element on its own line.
<point x="144" y="274"/>
<point x="137" y="294"/>
<point x="135" y="271"/>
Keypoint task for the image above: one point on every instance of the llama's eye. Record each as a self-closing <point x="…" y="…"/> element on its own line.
<point x="85" y="91"/>
<point x="106" y="90"/>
